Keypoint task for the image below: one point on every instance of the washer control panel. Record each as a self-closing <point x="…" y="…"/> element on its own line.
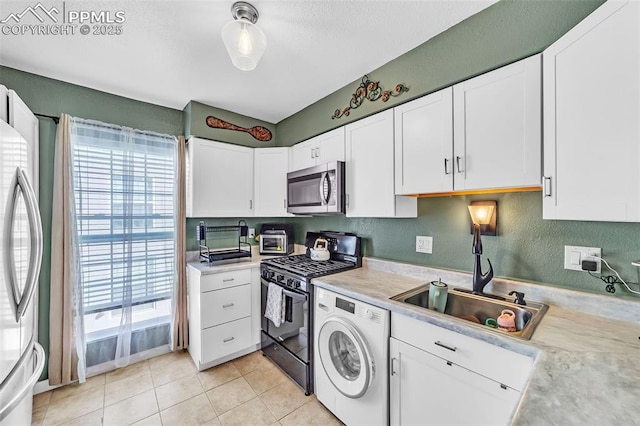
<point x="345" y="305"/>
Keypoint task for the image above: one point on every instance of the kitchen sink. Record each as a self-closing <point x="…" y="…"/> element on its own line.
<point x="477" y="308"/>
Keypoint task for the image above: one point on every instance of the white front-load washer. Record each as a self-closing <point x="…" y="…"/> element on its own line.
<point x="351" y="348"/>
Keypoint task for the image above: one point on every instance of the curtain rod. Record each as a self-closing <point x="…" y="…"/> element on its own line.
<point x="55" y="119"/>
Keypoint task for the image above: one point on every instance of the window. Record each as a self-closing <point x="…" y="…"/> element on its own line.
<point x="125" y="210"/>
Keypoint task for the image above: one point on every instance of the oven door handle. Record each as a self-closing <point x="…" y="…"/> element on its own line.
<point x="294" y="296"/>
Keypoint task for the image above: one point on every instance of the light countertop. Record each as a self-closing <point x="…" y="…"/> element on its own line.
<point x="587" y="366"/>
<point x="217" y="267"/>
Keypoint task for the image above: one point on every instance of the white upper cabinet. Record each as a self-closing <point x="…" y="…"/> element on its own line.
<point x="591" y="109"/>
<point x="497" y="128"/>
<point x="370" y="170"/>
<point x="321" y="149"/>
<point x="423" y="144"/>
<point x="270" y="181"/>
<point x="219" y="179"/>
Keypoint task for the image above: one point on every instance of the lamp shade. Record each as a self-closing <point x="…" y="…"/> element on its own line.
<point x="481" y="215"/>
<point x="245" y="43"/>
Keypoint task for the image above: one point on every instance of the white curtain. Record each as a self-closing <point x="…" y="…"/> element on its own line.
<point x="125" y="182"/>
<point x="66" y="335"/>
<point x="180" y="335"/>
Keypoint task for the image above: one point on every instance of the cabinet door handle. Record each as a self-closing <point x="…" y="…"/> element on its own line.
<point x="393" y="363"/>
<point x="228" y="339"/>
<point x="318" y="152"/>
<point x="442" y="345"/>
<point x="458" y="158"/>
<point x="547" y="185"/>
<point x="284" y="204"/>
<point x="228" y="280"/>
<point x="446" y="166"/>
<point x="313" y="153"/>
<point x="250" y="204"/>
<point x="347" y="201"/>
<point x="228" y="305"/>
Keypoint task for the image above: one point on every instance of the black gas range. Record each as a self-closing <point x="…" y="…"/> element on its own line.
<point x="290" y="345"/>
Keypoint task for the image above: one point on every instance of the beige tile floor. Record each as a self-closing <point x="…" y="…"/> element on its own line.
<point x="169" y="390"/>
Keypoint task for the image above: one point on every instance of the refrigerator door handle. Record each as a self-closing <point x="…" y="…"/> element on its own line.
<point x="26" y="387"/>
<point x="21" y="183"/>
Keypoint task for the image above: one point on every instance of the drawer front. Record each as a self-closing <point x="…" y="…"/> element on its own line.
<point x="499" y="364"/>
<point x="222" y="280"/>
<point x="225" y="339"/>
<point x="221" y="306"/>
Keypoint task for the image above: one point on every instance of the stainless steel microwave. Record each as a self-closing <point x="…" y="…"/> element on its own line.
<point x="317" y="190"/>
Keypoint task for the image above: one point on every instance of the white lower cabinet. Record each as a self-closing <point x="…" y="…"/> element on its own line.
<point x="224" y="315"/>
<point x="459" y="380"/>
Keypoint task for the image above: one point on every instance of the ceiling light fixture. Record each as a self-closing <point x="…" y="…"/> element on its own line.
<point x="244" y="41"/>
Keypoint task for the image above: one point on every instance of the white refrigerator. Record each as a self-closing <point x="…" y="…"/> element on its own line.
<point x="21" y="357"/>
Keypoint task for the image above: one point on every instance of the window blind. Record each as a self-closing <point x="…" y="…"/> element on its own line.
<point x="124" y="195"/>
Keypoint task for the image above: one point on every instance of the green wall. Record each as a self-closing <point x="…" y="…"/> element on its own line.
<point x="526" y="248"/>
<point x="195" y="114"/>
<point x="503" y="33"/>
<point x="53" y="97"/>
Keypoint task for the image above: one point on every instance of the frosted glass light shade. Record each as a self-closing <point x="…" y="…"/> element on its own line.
<point x="245" y="43"/>
<point x="481" y="215"/>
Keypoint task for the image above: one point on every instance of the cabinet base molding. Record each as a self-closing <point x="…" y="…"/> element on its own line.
<point x="479" y="191"/>
<point x="218" y="361"/>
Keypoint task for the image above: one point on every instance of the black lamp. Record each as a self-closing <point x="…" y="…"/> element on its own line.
<point x="482" y="213"/>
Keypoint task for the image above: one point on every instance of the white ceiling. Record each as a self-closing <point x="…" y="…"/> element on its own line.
<point x="171" y="52"/>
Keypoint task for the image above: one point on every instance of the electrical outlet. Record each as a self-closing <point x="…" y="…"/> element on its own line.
<point x="424" y="244"/>
<point x="252" y="232"/>
<point x="574" y="255"/>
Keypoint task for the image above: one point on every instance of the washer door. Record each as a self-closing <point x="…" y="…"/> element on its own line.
<point x="345" y="357"/>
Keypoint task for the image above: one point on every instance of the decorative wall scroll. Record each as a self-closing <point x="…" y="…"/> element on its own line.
<point x="258" y="132"/>
<point x="372" y="91"/>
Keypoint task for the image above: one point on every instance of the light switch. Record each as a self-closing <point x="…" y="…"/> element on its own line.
<point x="575" y="258"/>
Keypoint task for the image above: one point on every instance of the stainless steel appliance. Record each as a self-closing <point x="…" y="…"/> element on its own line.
<point x="317" y="190"/>
<point x="290" y="345"/>
<point x="21" y="357"/>
<point x="276" y="238"/>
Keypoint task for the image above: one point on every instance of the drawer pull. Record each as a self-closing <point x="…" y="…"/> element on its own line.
<point x="228" y="339"/>
<point x="393" y="364"/>
<point x="547" y="186"/>
<point x="449" y="363"/>
<point x="458" y="158"/>
<point x="228" y="305"/>
<point x="228" y="280"/>
<point x="503" y="386"/>
<point x="442" y="345"/>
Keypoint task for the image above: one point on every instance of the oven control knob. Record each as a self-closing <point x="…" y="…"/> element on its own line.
<point x="280" y="278"/>
<point x="296" y="284"/>
<point x="368" y="314"/>
<point x="289" y="282"/>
